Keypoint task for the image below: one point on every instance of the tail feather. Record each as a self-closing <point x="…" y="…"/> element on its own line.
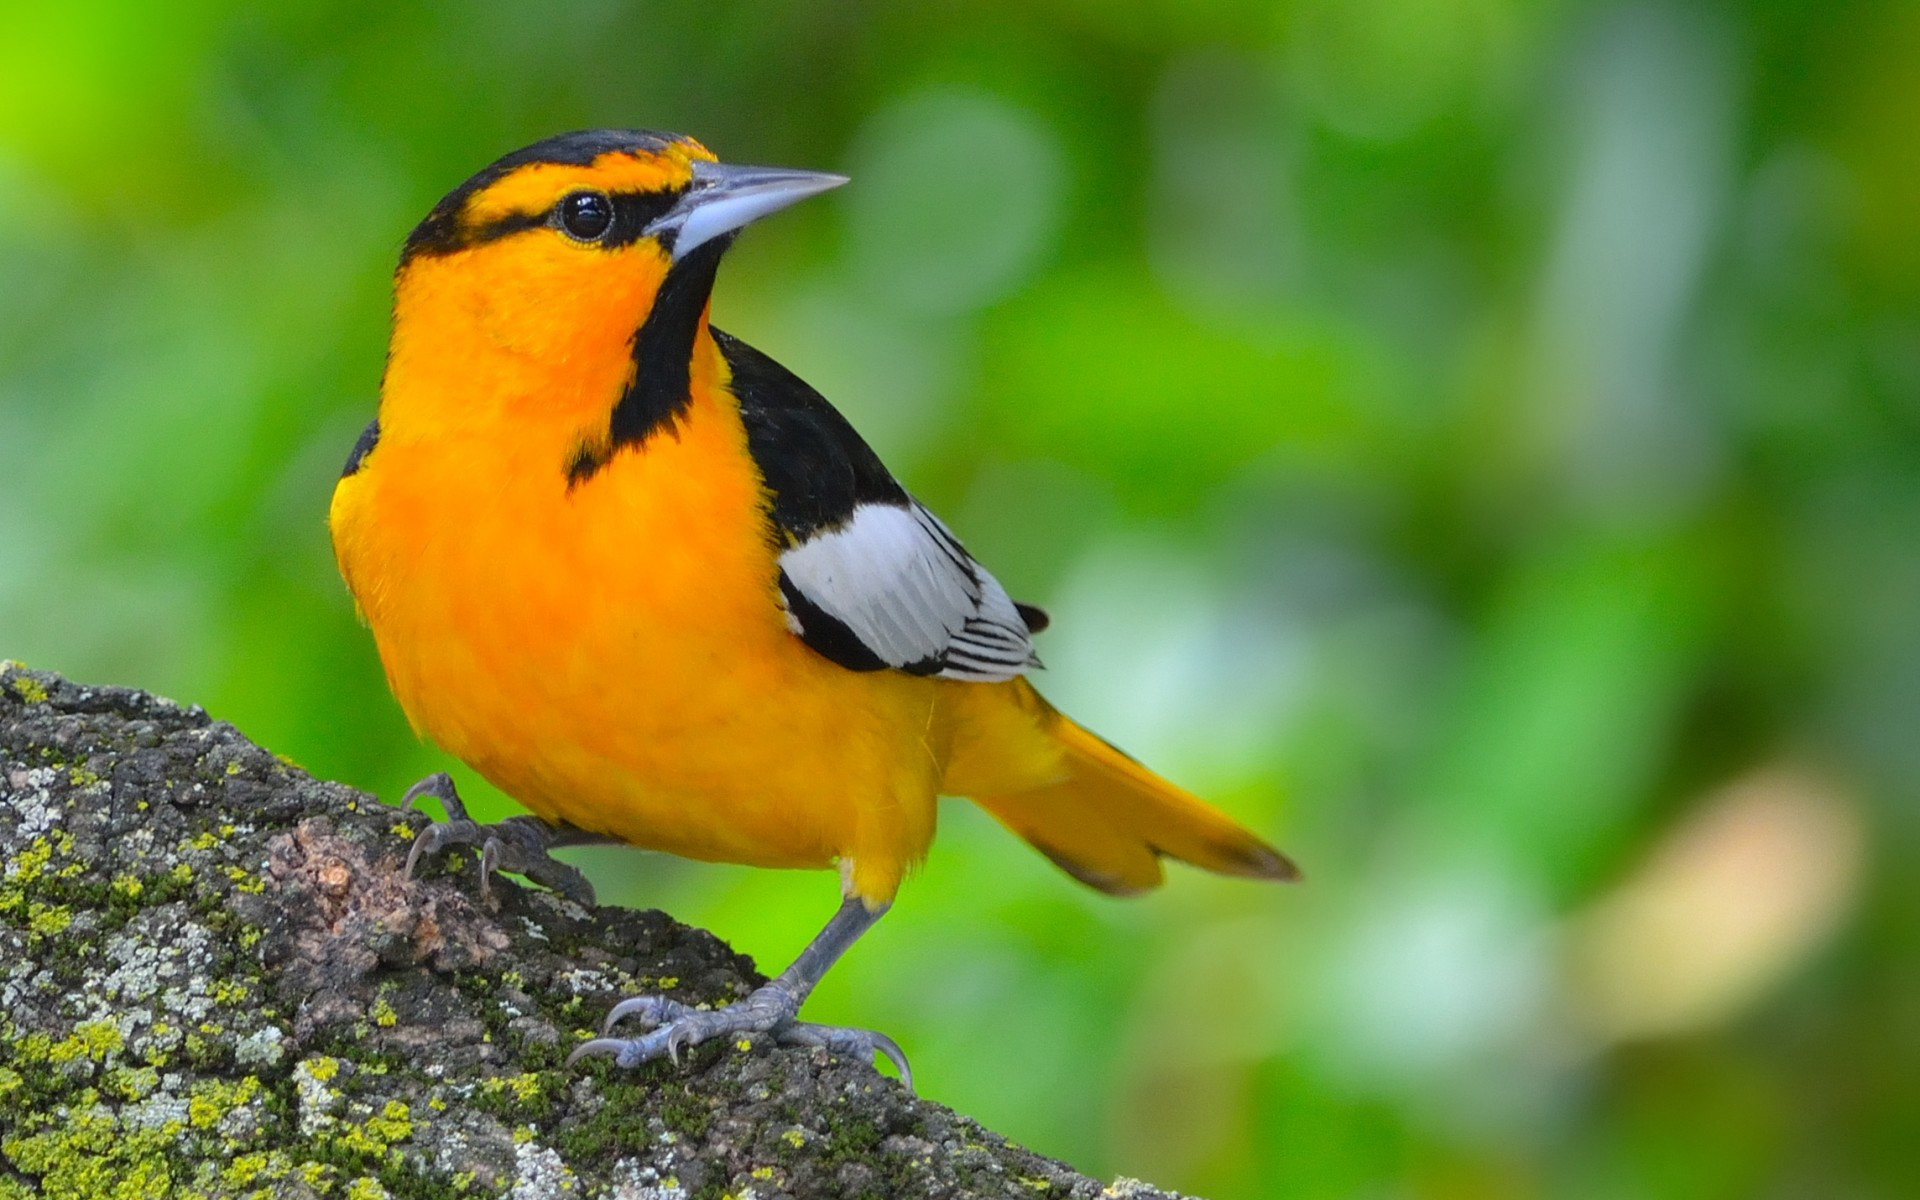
<point x="1109" y="820"/>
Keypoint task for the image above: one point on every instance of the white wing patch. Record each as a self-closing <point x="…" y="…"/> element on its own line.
<point x="901" y="583"/>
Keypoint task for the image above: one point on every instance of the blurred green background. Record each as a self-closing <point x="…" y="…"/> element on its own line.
<point x="1478" y="443"/>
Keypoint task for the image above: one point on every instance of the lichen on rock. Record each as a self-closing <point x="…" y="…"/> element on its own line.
<point x="216" y="982"/>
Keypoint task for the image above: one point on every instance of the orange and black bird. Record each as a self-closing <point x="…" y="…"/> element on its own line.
<point x="656" y="589"/>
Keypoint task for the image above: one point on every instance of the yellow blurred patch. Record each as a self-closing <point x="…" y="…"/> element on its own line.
<point x="1726" y="905"/>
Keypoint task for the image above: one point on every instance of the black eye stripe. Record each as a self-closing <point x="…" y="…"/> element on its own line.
<point x="632" y="213"/>
<point x="644" y="208"/>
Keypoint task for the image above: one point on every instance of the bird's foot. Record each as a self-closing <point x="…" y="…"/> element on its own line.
<point x="517" y="844"/>
<point x="770" y="1009"/>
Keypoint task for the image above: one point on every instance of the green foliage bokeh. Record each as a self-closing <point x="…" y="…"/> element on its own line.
<point x="1476" y="442"/>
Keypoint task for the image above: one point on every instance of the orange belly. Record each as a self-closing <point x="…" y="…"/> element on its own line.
<point x="614" y="656"/>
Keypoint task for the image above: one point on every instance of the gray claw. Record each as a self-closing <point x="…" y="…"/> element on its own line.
<point x="436" y="837"/>
<point x="439" y="785"/>
<point x="419" y="849"/>
<point x="623" y="1051"/>
<point x="676" y="1027"/>
<point x="846" y="1042"/>
<point x="769" y="1009"/>
<point x="677" y="1040"/>
<point x="489" y="863"/>
<point x="652" y="1010"/>
<point x="520" y="845"/>
<point x="606" y="1046"/>
<point x="517" y="844"/>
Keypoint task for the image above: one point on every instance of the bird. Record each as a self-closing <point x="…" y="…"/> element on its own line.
<point x="656" y="589"/>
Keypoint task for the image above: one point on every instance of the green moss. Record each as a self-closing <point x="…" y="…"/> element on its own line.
<point x="317" y="1175"/>
<point x="29" y="690"/>
<point x="523" y="1096"/>
<point x="48" y="920"/>
<point x="132" y="1083"/>
<point x="49" y="756"/>
<point x="89" y="1157"/>
<point x="685" y="1112"/>
<point x="618" y="1126"/>
<point x="92" y="1040"/>
<point x="542" y="1056"/>
<point x="394" y="1124"/>
<point x="27" y="865"/>
<point x="246" y="1170"/>
<point x="849" y="1139"/>
<point x="523" y="1088"/>
<point x="35" y="1047"/>
<point x="33" y="883"/>
<point x="211" y="1100"/>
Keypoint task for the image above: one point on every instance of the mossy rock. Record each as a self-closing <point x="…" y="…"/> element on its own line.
<point x="214" y="981"/>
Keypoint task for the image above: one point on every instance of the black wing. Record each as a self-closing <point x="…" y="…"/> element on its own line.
<point x="870" y="577"/>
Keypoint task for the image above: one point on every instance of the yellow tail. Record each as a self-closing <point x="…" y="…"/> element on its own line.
<point x="1102" y="818"/>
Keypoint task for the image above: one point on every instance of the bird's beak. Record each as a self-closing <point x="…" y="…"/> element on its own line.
<point x="722" y="198"/>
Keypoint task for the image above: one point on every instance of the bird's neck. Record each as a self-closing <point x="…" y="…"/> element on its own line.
<point x="665" y="348"/>
<point x="603" y="389"/>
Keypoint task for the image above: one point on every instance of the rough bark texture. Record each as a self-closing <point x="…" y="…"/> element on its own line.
<point x="215" y="982"/>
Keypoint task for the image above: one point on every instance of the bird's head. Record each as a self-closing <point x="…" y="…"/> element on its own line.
<point x="587" y="249"/>
<point x="654" y="197"/>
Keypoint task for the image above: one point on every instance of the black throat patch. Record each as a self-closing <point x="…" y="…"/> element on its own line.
<point x="662" y="360"/>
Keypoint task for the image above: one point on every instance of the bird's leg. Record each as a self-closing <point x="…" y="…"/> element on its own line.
<point x="517" y="844"/>
<point x="770" y="1009"/>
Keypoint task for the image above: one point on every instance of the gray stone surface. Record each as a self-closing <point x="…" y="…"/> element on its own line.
<point x="215" y="982"/>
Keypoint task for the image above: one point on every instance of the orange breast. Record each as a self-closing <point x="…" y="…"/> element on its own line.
<point x="614" y="655"/>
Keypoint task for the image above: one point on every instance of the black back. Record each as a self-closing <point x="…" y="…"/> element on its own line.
<point x="815" y="464"/>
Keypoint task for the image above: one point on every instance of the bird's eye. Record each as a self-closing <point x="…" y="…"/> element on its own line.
<point x="586" y="215"/>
